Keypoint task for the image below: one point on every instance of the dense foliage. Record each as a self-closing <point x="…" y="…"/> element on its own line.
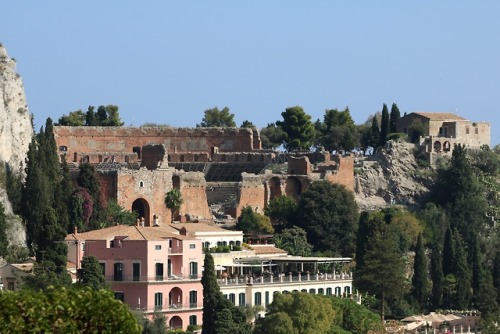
<point x="329" y="214"/>
<point x="300" y="312"/>
<point x="104" y="116"/>
<point x="253" y="223"/>
<point x="217" y="118"/>
<point x="298" y="129"/>
<point x="64" y="310"/>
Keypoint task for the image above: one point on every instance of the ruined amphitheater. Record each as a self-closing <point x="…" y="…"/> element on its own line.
<point x="218" y="171"/>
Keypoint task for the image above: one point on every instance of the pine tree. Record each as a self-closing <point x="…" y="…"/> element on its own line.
<point x="394" y="117"/>
<point x="384" y="126"/>
<point x="437" y="277"/>
<point x="420" y="280"/>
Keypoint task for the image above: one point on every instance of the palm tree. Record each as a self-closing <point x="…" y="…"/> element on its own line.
<point x="173" y="201"/>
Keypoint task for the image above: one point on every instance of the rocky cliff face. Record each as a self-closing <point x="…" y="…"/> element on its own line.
<point x="16" y="132"/>
<point x="391" y="176"/>
<point x="16" y="129"/>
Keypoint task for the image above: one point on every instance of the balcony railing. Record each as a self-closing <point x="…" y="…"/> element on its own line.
<point x="153" y="278"/>
<point x="173" y="307"/>
<point x="285" y="278"/>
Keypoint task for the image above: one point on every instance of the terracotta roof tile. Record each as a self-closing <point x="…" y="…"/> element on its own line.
<point x="199" y="227"/>
<point x="440" y="116"/>
<point x="267" y="249"/>
<point x="129" y="233"/>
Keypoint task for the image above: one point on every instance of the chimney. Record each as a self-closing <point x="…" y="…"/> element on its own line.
<point x="76" y="230"/>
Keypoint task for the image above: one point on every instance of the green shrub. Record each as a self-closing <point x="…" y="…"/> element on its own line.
<point x="72" y="310"/>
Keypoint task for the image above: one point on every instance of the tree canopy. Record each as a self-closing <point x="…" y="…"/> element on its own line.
<point x="173" y="201"/>
<point x="253" y="223"/>
<point x="329" y="214"/>
<point x="104" y="116"/>
<point x="217" y="118"/>
<point x="338" y="131"/>
<point x="298" y="129"/>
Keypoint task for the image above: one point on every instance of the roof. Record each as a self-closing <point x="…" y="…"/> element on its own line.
<point x="202" y="227"/>
<point x="440" y="116"/>
<point x="267" y="249"/>
<point x="128" y="233"/>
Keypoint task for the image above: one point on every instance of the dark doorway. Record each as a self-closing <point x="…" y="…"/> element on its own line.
<point x="141" y="207"/>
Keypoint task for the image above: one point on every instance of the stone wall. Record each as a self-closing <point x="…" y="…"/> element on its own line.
<point x="85" y="140"/>
<point x="148" y="188"/>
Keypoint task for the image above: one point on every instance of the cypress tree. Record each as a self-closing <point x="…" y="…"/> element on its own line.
<point x="420" y="281"/>
<point x="374" y="132"/>
<point x="394" y="117"/>
<point x="448" y="253"/>
<point x="219" y="313"/>
<point x="437" y="277"/>
<point x="211" y="293"/>
<point x="384" y="126"/>
<point x="40" y="196"/>
<point x="475" y="261"/>
<point x="3" y="235"/>
<point x="496" y="274"/>
<point x="462" y="274"/>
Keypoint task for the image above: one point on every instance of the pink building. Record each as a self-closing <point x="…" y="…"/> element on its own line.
<point x="154" y="269"/>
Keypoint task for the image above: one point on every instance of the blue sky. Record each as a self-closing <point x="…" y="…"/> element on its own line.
<point x="167" y="61"/>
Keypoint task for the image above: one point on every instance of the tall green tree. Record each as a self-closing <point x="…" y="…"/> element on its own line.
<point x="420" y="280"/>
<point x="338" y="131"/>
<point x="437" y="277"/>
<point x="382" y="274"/>
<point x="298" y="129"/>
<point x="459" y="190"/>
<point x="394" y="117"/>
<point x="4" y="242"/>
<point x="219" y="314"/>
<point x="384" y="126"/>
<point x="462" y="274"/>
<point x="374" y="138"/>
<point x="496" y="274"/>
<point x="217" y="118"/>
<point x="449" y="258"/>
<point x="40" y="205"/>
<point x="329" y="214"/>
<point x="173" y="201"/>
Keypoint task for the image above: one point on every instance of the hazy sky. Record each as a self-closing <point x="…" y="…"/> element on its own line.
<point x="167" y="61"/>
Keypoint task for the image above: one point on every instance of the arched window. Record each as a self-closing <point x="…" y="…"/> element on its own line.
<point x="338" y="291"/>
<point x="241" y="299"/>
<point x="321" y="291"/>
<point x="347" y="290"/>
<point x="329" y="291"/>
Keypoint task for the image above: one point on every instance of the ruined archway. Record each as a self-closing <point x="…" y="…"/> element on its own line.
<point x="293" y="188"/>
<point x="141" y="207"/>
<point x="274" y="188"/>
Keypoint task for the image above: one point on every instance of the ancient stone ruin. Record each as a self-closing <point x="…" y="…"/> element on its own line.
<point x="218" y="171"/>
